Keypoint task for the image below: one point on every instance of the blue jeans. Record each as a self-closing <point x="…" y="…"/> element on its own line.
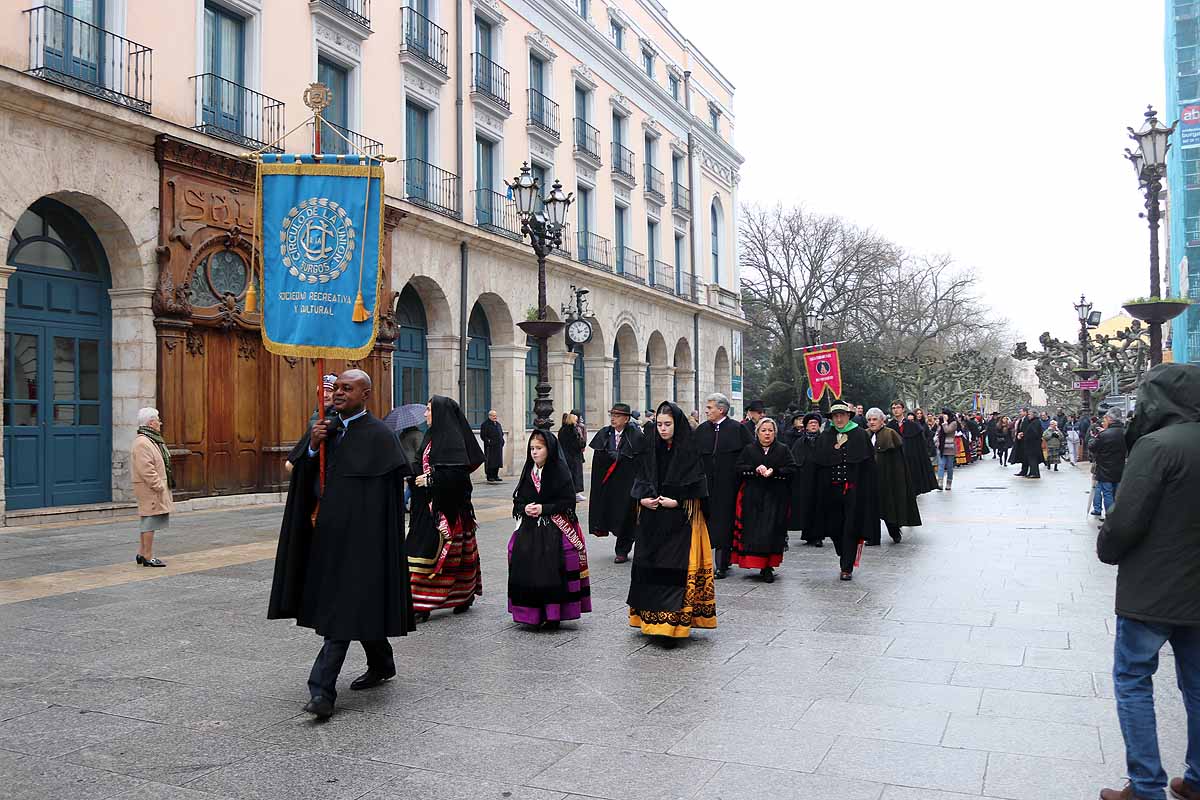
<point x="1135" y="660"/>
<point x="1106" y="491"/>
<point x="946" y="467"/>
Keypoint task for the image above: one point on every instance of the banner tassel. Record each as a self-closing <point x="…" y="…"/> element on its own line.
<point x="360" y="309"/>
<point x="251" y="297"/>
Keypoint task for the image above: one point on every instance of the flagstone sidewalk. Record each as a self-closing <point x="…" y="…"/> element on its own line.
<point x="971" y="660"/>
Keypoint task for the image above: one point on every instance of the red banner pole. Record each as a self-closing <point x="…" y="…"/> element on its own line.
<point x="321" y="418"/>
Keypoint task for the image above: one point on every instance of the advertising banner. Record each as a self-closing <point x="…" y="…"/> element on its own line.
<point x="1189" y="126"/>
<point x="824" y="372"/>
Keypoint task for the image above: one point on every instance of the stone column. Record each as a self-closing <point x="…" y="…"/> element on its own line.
<point x="5" y="273"/>
<point x="685" y="397"/>
<point x="598" y="372"/>
<point x="441" y="357"/>
<point x="508" y="398"/>
<point x="134" y="371"/>
<point x="633" y="384"/>
<point x="561" y="365"/>
<point x="662" y="385"/>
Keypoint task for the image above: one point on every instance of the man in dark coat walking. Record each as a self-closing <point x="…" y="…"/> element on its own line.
<point x="345" y="577"/>
<point x="492" y="434"/>
<point x="755" y="411"/>
<point x="720" y="441"/>
<point x="1108" y="463"/>
<point x="611" y="509"/>
<point x="914" y="447"/>
<point x="1029" y="447"/>
<point x="1152" y="534"/>
<point x="897" y="499"/>
<point x="844" y="499"/>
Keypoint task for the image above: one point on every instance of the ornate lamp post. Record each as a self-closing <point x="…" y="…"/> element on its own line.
<point x="813" y="320"/>
<point x="1150" y="163"/>
<point x="1083" y="310"/>
<point x="544" y="229"/>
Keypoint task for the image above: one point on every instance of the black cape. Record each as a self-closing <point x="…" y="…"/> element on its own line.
<point x="803" y="477"/>
<point x="492" y="434"/>
<point x="761" y="516"/>
<point x="897" y="497"/>
<point x="536" y="573"/>
<point x="663" y="540"/>
<point x="346" y="578"/>
<point x="1028" y="450"/>
<point x="719" y="455"/>
<point x="844" y="500"/>
<point x="916" y="453"/>
<point x="610" y="507"/>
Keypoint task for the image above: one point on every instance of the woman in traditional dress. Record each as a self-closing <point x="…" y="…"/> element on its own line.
<point x="547" y="559"/>
<point x="671" y="589"/>
<point x="760" y="516"/>
<point x="443" y="558"/>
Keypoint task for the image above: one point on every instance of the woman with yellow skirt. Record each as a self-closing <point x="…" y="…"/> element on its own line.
<point x="671" y="587"/>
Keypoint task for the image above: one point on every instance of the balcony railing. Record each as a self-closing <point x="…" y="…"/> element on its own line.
<point x="685" y="286"/>
<point x="587" y="139"/>
<point x="232" y="112"/>
<point x="431" y="187"/>
<point x="662" y="276"/>
<point x="622" y="158"/>
<point x="655" y="181"/>
<point x="564" y="249"/>
<point x="489" y="79"/>
<point x="335" y="144"/>
<point x="81" y="56"/>
<point x="594" y="250"/>
<point x="681" y="197"/>
<point x="631" y="265"/>
<point x="543" y="112"/>
<point x="357" y="10"/>
<point x="496" y="213"/>
<point x="422" y="39"/>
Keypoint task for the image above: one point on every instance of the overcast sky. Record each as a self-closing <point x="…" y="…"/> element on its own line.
<point x="990" y="131"/>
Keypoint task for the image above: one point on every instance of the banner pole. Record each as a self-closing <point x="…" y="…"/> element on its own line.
<point x="321" y="418"/>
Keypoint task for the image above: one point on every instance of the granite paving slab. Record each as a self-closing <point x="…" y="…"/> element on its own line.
<point x="616" y="774"/>
<point x="165" y="753"/>
<point x="907" y="764"/>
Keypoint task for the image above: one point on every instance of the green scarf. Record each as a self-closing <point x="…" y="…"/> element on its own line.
<point x="157" y="438"/>
<point x="851" y="425"/>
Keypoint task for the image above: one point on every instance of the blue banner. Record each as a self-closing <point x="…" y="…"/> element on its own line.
<point x="321" y="225"/>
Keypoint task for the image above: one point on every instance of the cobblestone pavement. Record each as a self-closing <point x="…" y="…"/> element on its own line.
<point x="971" y="660"/>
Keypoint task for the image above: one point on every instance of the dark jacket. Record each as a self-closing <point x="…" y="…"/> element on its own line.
<point x="1108" y="453"/>
<point x="1153" y="530"/>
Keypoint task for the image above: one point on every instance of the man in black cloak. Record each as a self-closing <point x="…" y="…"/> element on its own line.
<point x="611" y="509"/>
<point x="492" y="434"/>
<point x="720" y="441"/>
<point x="340" y="567"/>
<point x="916" y="451"/>
<point x="1029" y="446"/>
<point x="803" y="485"/>
<point x="755" y="410"/>
<point x="845" y="506"/>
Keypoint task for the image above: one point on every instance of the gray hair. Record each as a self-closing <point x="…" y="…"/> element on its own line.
<point x="721" y="400"/>
<point x="145" y="416"/>
<point x="765" y="420"/>
<point x="358" y="375"/>
<point x="875" y="412"/>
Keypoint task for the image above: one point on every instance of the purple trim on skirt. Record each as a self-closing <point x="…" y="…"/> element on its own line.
<point x="557" y="612"/>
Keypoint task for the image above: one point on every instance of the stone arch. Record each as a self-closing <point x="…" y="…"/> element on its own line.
<point x="500" y="319"/>
<point x="438" y="317"/>
<point x="597" y="347"/>
<point x="656" y="349"/>
<point x="684" y="375"/>
<point x="626" y="339"/>
<point x="722" y="376"/>
<point x="683" y="354"/>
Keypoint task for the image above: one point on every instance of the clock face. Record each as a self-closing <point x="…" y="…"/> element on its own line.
<point x="579" y="331"/>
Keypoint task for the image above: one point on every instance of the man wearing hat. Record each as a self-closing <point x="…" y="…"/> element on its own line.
<point x="754" y="412"/>
<point x="845" y="505"/>
<point x="611" y="508"/>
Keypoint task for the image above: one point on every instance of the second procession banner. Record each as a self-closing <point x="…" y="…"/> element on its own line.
<point x="824" y="372"/>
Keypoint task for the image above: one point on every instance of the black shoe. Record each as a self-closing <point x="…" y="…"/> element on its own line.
<point x="550" y="625"/>
<point x="421" y="616"/>
<point x="138" y="560"/>
<point x="819" y="543"/>
<point x="319" y="707"/>
<point x="721" y="574"/>
<point x="897" y="536"/>
<point x="620" y="559"/>
<point x="465" y="607"/>
<point x="153" y="562"/>
<point x="845" y="576"/>
<point x="872" y="544"/>
<point x="371" y="678"/>
<point x="767" y="575"/>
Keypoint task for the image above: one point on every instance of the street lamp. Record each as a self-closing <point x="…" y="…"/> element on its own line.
<point x="1083" y="310"/>
<point x="812" y="324"/>
<point x="544" y="229"/>
<point x="1150" y="162"/>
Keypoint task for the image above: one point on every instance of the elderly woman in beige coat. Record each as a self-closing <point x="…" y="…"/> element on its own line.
<point x="152" y="482"/>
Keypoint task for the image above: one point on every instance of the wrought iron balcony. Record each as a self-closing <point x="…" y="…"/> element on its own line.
<point x="358" y="11"/>
<point x="335" y="144"/>
<point x="543" y="113"/>
<point x="81" y="56"/>
<point x="662" y="276"/>
<point x="685" y="286"/>
<point x="489" y="79"/>
<point x="681" y="197"/>
<point x="567" y="245"/>
<point x="622" y="161"/>
<point x="594" y="250"/>
<point x="655" y="181"/>
<point x="631" y="265"/>
<point x="236" y="114"/>
<point x="587" y="141"/>
<point x="422" y="39"/>
<point x="431" y="187"/>
<point x="495" y="212"/>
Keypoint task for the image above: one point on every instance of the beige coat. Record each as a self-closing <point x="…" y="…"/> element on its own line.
<point x="149" y="478"/>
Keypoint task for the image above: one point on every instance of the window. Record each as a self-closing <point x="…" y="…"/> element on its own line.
<point x="224" y="48"/>
<point x="618" y="128"/>
<point x="584" y="7"/>
<point x="483" y="38"/>
<point x="416" y="151"/>
<point x="714" y="119"/>
<point x="679" y="258"/>
<point x="652" y="248"/>
<point x="539" y="174"/>
<point x="581" y="103"/>
<point x="648" y="62"/>
<point x="649" y="149"/>
<point x="676" y="171"/>
<point x="715" y="223"/>
<point x="537" y="74"/>
<point x="583" y="207"/>
<point x="338" y="111"/>
<point x="485" y="161"/>
<point x="673" y="85"/>
<point x="618" y="35"/>
<point x="619" y="237"/>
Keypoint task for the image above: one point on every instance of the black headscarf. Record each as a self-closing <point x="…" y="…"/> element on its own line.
<point x="454" y="442"/>
<point x="676" y="466"/>
<point x="556" y="474"/>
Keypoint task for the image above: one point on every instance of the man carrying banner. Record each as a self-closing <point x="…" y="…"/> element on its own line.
<point x="340" y="567"/>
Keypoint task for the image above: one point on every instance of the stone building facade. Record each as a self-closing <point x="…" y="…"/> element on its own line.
<point x="126" y="210"/>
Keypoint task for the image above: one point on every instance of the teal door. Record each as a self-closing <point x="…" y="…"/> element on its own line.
<point x="224" y="47"/>
<point x="411" y="361"/>
<point x="74" y="45"/>
<point x="338" y="112"/>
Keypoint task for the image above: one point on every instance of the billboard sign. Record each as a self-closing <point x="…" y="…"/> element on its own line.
<point x="1189" y="126"/>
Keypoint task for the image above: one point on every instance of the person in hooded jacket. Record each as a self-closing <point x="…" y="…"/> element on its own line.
<point x="761" y="513"/>
<point x="547" y="558"/>
<point x="443" y="557"/>
<point x="1152" y="534"/>
<point x="671" y="587"/>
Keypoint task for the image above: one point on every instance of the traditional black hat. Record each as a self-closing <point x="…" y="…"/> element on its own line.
<point x="811" y="416"/>
<point x="621" y="408"/>
<point x="841" y="406"/>
<point x="756" y="405"/>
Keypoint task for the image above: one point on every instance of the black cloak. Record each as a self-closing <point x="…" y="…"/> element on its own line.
<point x="346" y="578"/>
<point x="844" y="500"/>
<point x="492" y="434"/>
<point x="663" y="540"/>
<point x="761" y="518"/>
<point x="453" y="455"/>
<point x="719" y="453"/>
<point x="1028" y="449"/>
<point x="610" y="509"/>
<point x="897" y="498"/>
<point x="803" y="481"/>
<point x="572" y="450"/>
<point x="536" y="574"/>
<point x="916" y="453"/>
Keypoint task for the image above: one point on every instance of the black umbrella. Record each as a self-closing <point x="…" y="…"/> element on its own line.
<point x="404" y="417"/>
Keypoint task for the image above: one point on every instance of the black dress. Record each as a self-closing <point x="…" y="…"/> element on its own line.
<point x="572" y="451"/>
<point x="802" y="488"/>
<point x="719" y="452"/>
<point x="916" y="453"/>
<point x="761" y="520"/>
<point x="610" y="507"/>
